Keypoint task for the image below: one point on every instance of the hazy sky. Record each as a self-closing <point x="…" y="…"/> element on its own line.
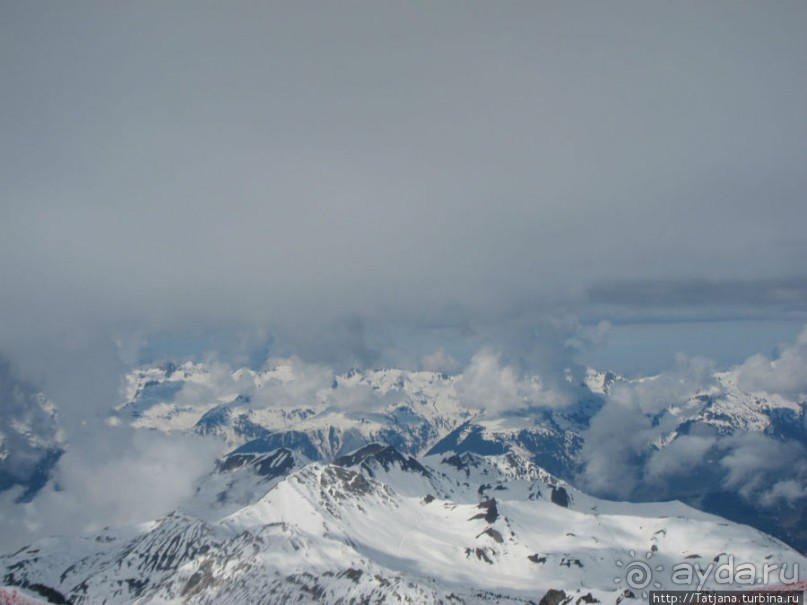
<point x="310" y="171"/>
<point x="503" y="188"/>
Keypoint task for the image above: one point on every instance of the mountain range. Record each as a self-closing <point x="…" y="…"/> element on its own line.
<point x="384" y="486"/>
<point x="379" y="526"/>
<point x="423" y="413"/>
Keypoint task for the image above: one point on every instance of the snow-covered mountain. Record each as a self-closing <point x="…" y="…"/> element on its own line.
<point x="322" y="415"/>
<point x="386" y="485"/>
<point x="420" y="411"/>
<point x="379" y="526"/>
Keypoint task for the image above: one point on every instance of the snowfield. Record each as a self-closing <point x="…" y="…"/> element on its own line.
<point x="381" y="526"/>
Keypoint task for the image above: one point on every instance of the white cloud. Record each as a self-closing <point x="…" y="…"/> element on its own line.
<point x="274" y="194"/>
<point x="754" y="464"/>
<point x="291" y="383"/>
<point x="121" y="478"/>
<point x="490" y="384"/>
<point x="621" y="459"/>
<point x="787" y="490"/>
<point x="785" y="374"/>
<point x="622" y="434"/>
<point x="439" y="361"/>
<point x="686" y="454"/>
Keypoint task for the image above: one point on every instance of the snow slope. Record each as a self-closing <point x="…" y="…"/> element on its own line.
<point x="322" y="416"/>
<point x="380" y="526"/>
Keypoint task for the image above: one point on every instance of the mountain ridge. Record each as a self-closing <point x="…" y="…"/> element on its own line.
<point x="463" y="528"/>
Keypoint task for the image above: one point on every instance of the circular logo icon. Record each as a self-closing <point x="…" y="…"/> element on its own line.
<point x="638" y="574"/>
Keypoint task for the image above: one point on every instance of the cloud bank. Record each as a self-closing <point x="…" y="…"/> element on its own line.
<point x="112" y="479"/>
<point x="785" y="374"/>
<point x="289" y="165"/>
<point x="633" y="447"/>
<point x="370" y="184"/>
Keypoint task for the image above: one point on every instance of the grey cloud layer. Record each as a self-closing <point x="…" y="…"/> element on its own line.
<point x="310" y="171"/>
<point x="316" y="173"/>
<point x="308" y="159"/>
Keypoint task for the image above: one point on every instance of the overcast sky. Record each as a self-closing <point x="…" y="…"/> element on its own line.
<point x="501" y="188"/>
<point x="314" y="170"/>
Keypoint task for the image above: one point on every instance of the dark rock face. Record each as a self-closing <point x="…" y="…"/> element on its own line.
<point x="360" y="455"/>
<point x="268" y="442"/>
<point x="496" y="536"/>
<point x="375" y="454"/>
<point x="560" y="496"/>
<point x="462" y="462"/>
<point x="274" y="464"/>
<point x="552" y="448"/>
<point x="352" y="574"/>
<point x="462" y="440"/>
<point x="389" y="457"/>
<point x="568" y="562"/>
<point x="553" y="597"/>
<point x="339" y="482"/>
<point x="491" y="512"/>
<point x="480" y="553"/>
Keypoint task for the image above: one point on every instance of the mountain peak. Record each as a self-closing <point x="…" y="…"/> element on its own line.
<point x="375" y="455"/>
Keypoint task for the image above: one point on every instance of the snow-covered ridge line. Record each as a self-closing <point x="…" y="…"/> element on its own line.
<point x="381" y="525"/>
<point x="652" y="431"/>
<point x="339" y="412"/>
<point x="244" y="404"/>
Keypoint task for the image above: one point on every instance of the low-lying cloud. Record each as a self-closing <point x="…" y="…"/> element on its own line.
<point x="758" y="466"/>
<point x="784" y="374"/>
<point x="622" y="434"/>
<point x="633" y="449"/>
<point x="112" y="479"/>
<point x="329" y="181"/>
<point x="489" y="384"/>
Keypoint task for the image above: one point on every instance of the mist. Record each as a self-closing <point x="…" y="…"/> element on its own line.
<point x="296" y="167"/>
<point x="477" y="187"/>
